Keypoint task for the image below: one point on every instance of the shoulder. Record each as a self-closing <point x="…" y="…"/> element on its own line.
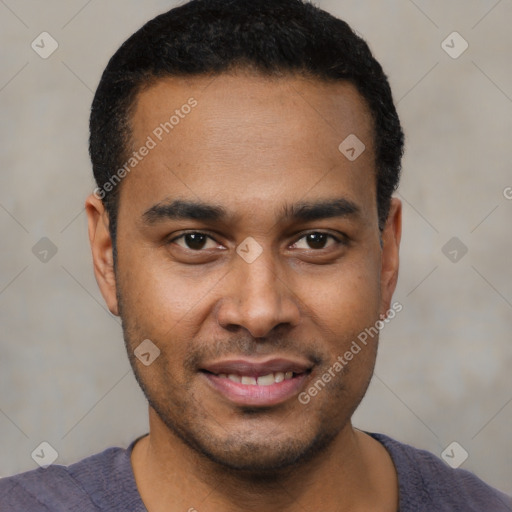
<point x="425" y="480"/>
<point x="92" y="484"/>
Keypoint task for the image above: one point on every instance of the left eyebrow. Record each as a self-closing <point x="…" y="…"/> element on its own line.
<point x="317" y="210"/>
<point x="301" y="211"/>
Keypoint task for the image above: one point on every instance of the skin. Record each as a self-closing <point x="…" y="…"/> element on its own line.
<point x="252" y="145"/>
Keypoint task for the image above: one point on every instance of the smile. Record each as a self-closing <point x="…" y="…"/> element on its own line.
<point x="264" y="380"/>
<point x="250" y="383"/>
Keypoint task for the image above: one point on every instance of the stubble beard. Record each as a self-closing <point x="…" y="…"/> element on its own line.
<point x="244" y="453"/>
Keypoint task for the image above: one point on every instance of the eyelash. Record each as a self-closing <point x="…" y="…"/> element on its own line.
<point x="339" y="241"/>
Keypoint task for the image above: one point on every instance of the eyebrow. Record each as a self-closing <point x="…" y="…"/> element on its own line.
<point x="302" y="211"/>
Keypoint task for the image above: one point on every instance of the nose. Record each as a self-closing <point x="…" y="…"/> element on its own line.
<point x="257" y="298"/>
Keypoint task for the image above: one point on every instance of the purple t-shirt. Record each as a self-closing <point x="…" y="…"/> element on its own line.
<point x="105" y="483"/>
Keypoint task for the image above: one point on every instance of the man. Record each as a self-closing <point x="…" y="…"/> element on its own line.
<point x="244" y="230"/>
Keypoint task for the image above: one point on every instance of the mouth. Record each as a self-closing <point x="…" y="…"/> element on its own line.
<point x="250" y="383"/>
<point x="262" y="380"/>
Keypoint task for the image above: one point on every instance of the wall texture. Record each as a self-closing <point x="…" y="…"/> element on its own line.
<point x="444" y="369"/>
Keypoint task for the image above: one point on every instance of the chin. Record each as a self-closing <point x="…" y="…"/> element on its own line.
<point x="254" y="453"/>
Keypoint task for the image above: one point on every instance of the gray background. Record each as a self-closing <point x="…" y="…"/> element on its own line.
<point x="444" y="365"/>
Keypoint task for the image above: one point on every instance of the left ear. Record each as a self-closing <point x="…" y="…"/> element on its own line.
<point x="391" y="236"/>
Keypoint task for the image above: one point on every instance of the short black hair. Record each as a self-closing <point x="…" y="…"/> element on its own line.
<point x="209" y="37"/>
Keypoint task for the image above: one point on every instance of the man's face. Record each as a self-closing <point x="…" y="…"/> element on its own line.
<point x="306" y="280"/>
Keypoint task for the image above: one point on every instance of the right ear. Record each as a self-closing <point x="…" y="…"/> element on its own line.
<point x="102" y="251"/>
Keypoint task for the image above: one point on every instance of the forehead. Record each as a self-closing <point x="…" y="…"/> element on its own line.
<point x="244" y="137"/>
<point x="243" y="98"/>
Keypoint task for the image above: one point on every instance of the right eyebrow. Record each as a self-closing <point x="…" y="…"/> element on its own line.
<point x="183" y="210"/>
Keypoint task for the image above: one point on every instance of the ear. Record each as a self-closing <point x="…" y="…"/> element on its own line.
<point x="102" y="251"/>
<point x="391" y="236"/>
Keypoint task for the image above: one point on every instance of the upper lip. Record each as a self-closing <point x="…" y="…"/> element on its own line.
<point x="250" y="368"/>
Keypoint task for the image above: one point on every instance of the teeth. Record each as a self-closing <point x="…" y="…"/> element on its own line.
<point x="264" y="380"/>
<point x="279" y="376"/>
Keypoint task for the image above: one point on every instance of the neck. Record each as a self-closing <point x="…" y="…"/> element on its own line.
<point x="353" y="473"/>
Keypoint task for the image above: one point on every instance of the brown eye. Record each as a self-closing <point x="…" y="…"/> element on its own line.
<point x="193" y="241"/>
<point x="316" y="241"/>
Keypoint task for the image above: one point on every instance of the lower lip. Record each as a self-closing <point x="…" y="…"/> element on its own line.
<point x="254" y="395"/>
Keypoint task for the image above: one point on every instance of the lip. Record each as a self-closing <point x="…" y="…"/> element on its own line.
<point x="255" y="395"/>
<point x="257" y="368"/>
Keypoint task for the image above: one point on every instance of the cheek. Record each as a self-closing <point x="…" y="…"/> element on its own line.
<point x="349" y="296"/>
<point x="145" y="278"/>
<point x="162" y="300"/>
<point x="346" y="306"/>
